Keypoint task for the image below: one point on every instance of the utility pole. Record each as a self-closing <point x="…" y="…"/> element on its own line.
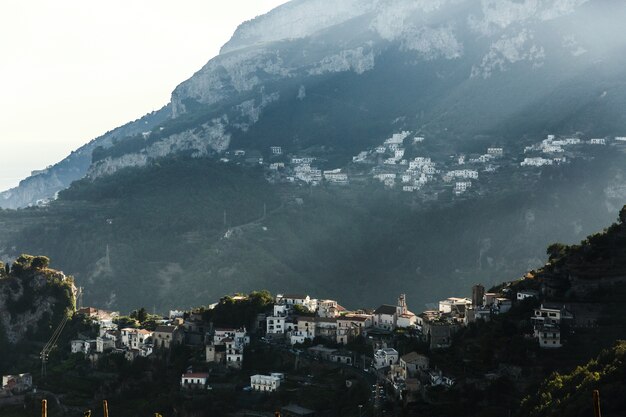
<point x="596" y="403"/>
<point x="44" y="408"/>
<point x="105" y="406"/>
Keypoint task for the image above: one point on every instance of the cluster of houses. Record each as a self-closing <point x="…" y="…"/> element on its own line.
<point x="128" y="341"/>
<point x="16" y="385"/>
<point x="553" y="151"/>
<point x="320" y="325"/>
<point x="297" y="318"/>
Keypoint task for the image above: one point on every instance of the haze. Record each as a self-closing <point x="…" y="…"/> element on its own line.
<point x="72" y="70"/>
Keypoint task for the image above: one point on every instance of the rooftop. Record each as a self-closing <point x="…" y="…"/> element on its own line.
<point x="386" y="309"/>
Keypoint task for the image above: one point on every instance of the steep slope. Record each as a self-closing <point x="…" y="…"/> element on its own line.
<point x="32" y="299"/>
<point x="43" y="185"/>
<point x="341" y="74"/>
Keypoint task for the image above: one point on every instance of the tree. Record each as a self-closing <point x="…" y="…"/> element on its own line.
<point x="140" y="315"/>
<point x="622" y="215"/>
<point x="40" y="262"/>
<point x="556" y="251"/>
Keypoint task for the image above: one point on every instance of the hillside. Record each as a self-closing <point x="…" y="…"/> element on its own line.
<point x="139" y="232"/>
<point x="570" y="394"/>
<point x="192" y="201"/>
<point x="33" y="301"/>
<point x="333" y="77"/>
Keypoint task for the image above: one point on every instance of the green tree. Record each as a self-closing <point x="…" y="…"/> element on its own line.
<point x="556" y="251"/>
<point x="622" y="215"/>
<point x="140" y="315"/>
<point x="40" y="262"/>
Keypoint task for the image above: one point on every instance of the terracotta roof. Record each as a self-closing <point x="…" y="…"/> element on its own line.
<point x="196" y="375"/>
<point x="386" y="309"/>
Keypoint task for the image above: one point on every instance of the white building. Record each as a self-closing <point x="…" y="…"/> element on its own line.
<point x="291" y="300"/>
<point x="385" y="357"/>
<point x="495" y="152"/>
<point x="81" y="346"/>
<point x="198" y="380"/>
<point x="462" y="186"/>
<point x="266" y="383"/>
<point x="385" y="317"/>
<point x="452" y="304"/>
<point x="597" y="142"/>
<point x="535" y="162"/>
<point x="522" y="295"/>
<point x="276" y="150"/>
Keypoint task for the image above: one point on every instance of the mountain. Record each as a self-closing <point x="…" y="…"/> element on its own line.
<point x="178" y="206"/>
<point x="43" y="185"/>
<point x="342" y="74"/>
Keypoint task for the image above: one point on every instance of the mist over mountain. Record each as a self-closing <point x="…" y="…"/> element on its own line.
<point x="152" y="210"/>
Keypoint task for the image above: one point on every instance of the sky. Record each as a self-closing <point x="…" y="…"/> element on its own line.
<point x="70" y="70"/>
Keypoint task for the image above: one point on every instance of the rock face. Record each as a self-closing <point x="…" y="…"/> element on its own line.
<point x="43" y="185"/>
<point x="461" y="68"/>
<point x="34" y="301"/>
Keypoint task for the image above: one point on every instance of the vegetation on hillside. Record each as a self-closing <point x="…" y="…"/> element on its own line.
<point x="570" y="394"/>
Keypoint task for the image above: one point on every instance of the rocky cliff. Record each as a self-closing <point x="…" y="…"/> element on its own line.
<point x="33" y="299"/>
<point x="458" y="69"/>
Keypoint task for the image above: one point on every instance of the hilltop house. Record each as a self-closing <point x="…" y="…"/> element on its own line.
<point x="194" y="381"/>
<point x="266" y="383"/>
<point x="17" y="384"/>
<point x="351" y="326"/>
<point x="385" y="357"/>
<point x="385" y="317"/>
<point x="166" y="336"/>
<point x="412" y="363"/>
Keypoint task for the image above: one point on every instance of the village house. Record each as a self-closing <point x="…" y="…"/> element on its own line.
<point x="292" y="300"/>
<point x="215" y="353"/>
<point x="266" y="383"/>
<point x="385" y="317"/>
<point x="597" y="142"/>
<point x="385" y="357"/>
<point x="413" y="363"/>
<point x="453" y="305"/>
<point x="104" y="344"/>
<point x="326" y="328"/>
<point x="340" y="356"/>
<point x="135" y="338"/>
<point x="497" y="152"/>
<point x="275" y="324"/>
<point x="547" y="321"/>
<point x="321" y="352"/>
<point x="195" y="381"/>
<point x="17" y="384"/>
<point x="166" y="336"/>
<point x="351" y="326"/>
<point x="83" y="346"/>
<point x="305" y="330"/>
<point x="276" y="150"/>
<point x="524" y="294"/>
<point x="234" y="354"/>
<point x="328" y="308"/>
<point x="437" y="378"/>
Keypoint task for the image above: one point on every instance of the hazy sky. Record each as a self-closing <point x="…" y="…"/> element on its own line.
<point x="72" y="69"/>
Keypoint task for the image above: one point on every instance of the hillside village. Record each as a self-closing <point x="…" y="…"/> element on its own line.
<point x="401" y="163"/>
<point x="366" y="340"/>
